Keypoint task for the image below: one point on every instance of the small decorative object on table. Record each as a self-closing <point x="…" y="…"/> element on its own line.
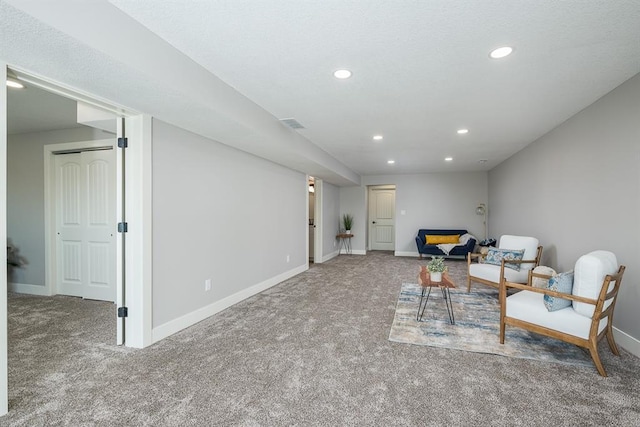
<point x="436" y="268"/>
<point x="347" y="221"/>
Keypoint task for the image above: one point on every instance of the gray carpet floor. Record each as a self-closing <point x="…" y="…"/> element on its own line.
<point x="312" y="351"/>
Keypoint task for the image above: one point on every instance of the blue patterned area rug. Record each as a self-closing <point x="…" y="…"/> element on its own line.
<point x="476" y="328"/>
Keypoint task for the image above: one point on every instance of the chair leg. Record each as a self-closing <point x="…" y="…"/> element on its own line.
<point x="468" y="275"/>
<point x="593" y="349"/>
<point x="503" y="311"/>
<point x="611" y="341"/>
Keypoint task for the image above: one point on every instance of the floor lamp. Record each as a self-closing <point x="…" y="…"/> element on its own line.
<point x="481" y="209"/>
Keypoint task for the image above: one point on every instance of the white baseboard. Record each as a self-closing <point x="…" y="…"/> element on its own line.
<point x="353" y="252"/>
<point x="328" y="257"/>
<point x="160" y="332"/>
<point x="626" y="341"/>
<point x="411" y="254"/>
<point x="25" y="288"/>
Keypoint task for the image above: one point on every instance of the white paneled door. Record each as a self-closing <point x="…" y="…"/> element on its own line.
<point x="382" y="207"/>
<point x="86" y="224"/>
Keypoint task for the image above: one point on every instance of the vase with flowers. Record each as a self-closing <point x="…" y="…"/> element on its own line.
<point x="436" y="267"/>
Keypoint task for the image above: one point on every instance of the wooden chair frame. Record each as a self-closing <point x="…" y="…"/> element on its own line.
<point x="599" y="314"/>
<point x="479" y="257"/>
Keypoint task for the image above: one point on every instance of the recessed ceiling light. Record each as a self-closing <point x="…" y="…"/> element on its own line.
<point x="391" y="161"/>
<point x="482" y="161"/>
<point x="463" y="131"/>
<point x="501" y="52"/>
<point x="448" y="159"/>
<point x="377" y="137"/>
<point x="15" y="84"/>
<point x="342" y="74"/>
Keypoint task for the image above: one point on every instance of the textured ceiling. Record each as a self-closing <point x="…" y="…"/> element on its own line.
<point x="420" y="69"/>
<point x="229" y="69"/>
<point x="36" y="110"/>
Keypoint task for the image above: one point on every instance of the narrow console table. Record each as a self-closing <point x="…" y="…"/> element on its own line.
<point x="345" y="242"/>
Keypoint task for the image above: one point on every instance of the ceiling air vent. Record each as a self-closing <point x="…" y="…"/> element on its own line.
<point x="292" y="123"/>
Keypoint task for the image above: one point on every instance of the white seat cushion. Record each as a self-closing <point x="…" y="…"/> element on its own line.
<point x="529" y="244"/>
<point x="529" y="307"/>
<point x="491" y="273"/>
<point x="589" y="273"/>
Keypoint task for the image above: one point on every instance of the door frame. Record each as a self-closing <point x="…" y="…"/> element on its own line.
<point x="317" y="219"/>
<point x="318" y="257"/>
<point x="50" y="252"/>
<point x="138" y="245"/>
<point x="318" y="242"/>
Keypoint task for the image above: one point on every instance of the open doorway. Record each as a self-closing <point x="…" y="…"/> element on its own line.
<point x="312" y="225"/>
<point x="133" y="201"/>
<point x="315" y="219"/>
<point x="37" y="121"/>
<point x="133" y="205"/>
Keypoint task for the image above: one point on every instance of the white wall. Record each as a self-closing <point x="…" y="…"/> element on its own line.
<point x="25" y="196"/>
<point x="330" y="220"/>
<point x="353" y="200"/>
<point x="434" y="200"/>
<point x="577" y="189"/>
<point x="219" y="214"/>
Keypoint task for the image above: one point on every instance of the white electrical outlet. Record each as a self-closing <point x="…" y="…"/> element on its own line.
<point x="334" y="243"/>
<point x="287" y="258"/>
<point x="207" y="285"/>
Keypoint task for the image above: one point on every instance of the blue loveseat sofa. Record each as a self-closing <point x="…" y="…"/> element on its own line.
<point x="458" y="251"/>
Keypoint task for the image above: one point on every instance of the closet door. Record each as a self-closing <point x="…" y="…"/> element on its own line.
<point x="85" y="224"/>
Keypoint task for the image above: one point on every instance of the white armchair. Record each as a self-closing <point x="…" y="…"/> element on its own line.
<point x="512" y="270"/>
<point x="589" y="315"/>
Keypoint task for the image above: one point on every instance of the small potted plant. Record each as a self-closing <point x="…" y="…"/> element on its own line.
<point x="436" y="267"/>
<point x="347" y="221"/>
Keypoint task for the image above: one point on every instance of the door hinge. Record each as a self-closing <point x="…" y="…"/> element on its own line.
<point x="123" y="311"/>
<point x="122" y="227"/>
<point x="123" y="142"/>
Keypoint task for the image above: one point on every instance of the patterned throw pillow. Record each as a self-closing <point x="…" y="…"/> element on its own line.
<point x="562" y="282"/>
<point x="496" y="255"/>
